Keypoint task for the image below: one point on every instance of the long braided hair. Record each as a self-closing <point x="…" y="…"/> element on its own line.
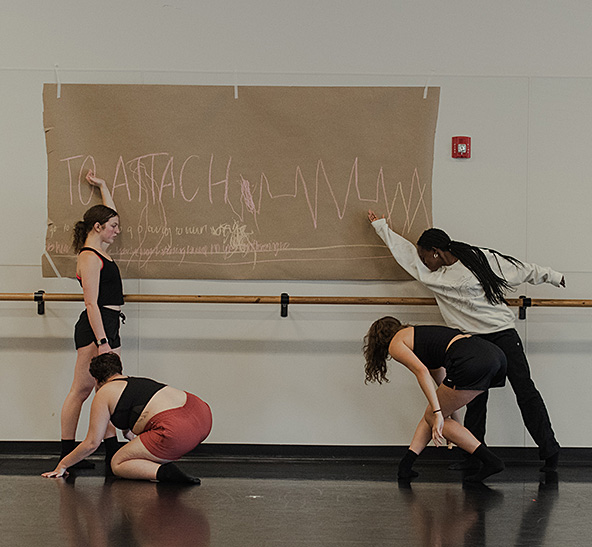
<point x="474" y="259"/>
<point x="376" y="345"/>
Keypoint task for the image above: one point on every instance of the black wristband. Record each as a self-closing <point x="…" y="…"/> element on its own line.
<point x="439" y="410"/>
<point x="101" y="342"/>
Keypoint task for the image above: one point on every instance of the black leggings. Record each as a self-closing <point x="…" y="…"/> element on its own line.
<point x="531" y="404"/>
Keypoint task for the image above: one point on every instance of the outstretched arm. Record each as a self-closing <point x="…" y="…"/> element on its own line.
<point x="93" y="180"/>
<point x="400" y="350"/>
<point x="99" y="420"/>
<point x="516" y="274"/>
<point x="438" y="374"/>
<point x="403" y="251"/>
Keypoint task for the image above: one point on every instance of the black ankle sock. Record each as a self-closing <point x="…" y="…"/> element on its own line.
<point x="491" y="464"/>
<point x="551" y="463"/>
<point x="111" y="447"/>
<point x="67" y="446"/>
<point x="169" y="472"/>
<point x="468" y="463"/>
<point x="405" y="465"/>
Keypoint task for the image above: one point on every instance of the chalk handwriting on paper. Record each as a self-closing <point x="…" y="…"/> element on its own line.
<point x="141" y="180"/>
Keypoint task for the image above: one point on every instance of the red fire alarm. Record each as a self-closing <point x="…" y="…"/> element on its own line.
<point x="461" y="147"/>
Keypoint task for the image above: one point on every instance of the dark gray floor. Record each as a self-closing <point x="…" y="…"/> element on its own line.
<point x="283" y="504"/>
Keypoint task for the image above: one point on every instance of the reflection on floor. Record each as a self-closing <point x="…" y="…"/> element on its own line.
<point x="275" y="504"/>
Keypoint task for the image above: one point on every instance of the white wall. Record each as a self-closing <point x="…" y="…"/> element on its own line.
<point x="512" y="76"/>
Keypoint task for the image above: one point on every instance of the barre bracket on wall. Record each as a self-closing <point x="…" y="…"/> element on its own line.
<point x="40" y="302"/>
<point x="526" y="303"/>
<point x="285" y="300"/>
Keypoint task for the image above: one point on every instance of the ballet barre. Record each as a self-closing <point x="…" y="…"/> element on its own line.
<point x="284" y="300"/>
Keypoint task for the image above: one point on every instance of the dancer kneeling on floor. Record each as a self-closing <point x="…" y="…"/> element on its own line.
<point x="162" y="423"/>
<point x="472" y="366"/>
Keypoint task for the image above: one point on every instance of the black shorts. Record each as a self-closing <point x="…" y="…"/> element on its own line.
<point x="84" y="335"/>
<point x="474" y="363"/>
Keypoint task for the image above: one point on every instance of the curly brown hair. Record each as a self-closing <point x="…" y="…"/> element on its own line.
<point x="103" y="366"/>
<point x="376" y="346"/>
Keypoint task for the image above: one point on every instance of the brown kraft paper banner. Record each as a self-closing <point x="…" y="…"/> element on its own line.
<point x="275" y="184"/>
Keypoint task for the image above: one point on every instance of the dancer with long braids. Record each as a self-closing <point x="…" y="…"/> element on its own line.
<point x="469" y="284"/>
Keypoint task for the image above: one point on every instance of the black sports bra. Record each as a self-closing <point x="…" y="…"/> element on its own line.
<point x="430" y="343"/>
<point x="133" y="400"/>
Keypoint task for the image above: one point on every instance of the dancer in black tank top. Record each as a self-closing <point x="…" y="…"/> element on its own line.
<point x="97" y="329"/>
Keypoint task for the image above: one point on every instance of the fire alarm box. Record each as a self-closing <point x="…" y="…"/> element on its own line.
<point x="461" y="147"/>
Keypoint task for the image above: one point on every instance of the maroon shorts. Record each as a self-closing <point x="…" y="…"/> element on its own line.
<point x="174" y="432"/>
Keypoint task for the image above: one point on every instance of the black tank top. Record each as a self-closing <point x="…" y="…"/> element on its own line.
<point x="110" y="286"/>
<point x="133" y="400"/>
<point x="430" y="343"/>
